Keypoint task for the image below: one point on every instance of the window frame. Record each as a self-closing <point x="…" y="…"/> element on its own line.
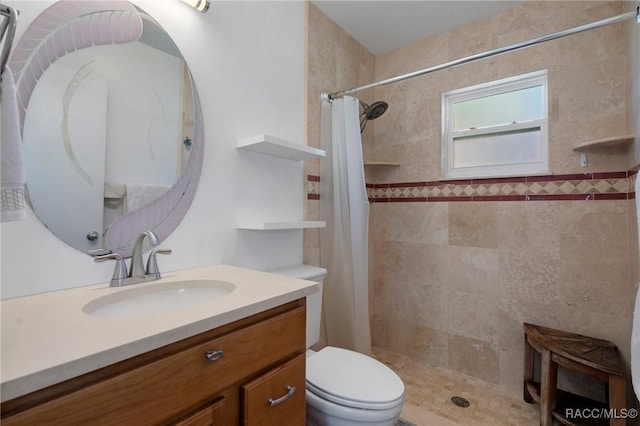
<point x="519" y="82"/>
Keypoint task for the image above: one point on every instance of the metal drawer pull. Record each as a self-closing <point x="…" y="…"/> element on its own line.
<point x="213" y="356"/>
<point x="290" y="391"/>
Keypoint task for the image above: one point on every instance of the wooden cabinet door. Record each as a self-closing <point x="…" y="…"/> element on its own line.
<point x="211" y="415"/>
<point x="276" y="397"/>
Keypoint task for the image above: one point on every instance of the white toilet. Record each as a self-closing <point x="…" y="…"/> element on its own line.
<point x="344" y="387"/>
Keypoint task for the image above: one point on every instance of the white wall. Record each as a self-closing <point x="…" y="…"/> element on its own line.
<point x="247" y="59"/>
<point x="79" y="187"/>
<point x="144" y="150"/>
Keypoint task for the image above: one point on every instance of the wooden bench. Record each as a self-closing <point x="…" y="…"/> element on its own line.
<point x="585" y="355"/>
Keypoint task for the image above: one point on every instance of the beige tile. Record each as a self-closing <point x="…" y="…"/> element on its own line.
<point x="530" y="276"/>
<point x="419" y="160"/>
<point x="421" y="416"/>
<point x="479" y="322"/>
<point x="427" y="264"/>
<point x="426" y="344"/>
<point x="529" y="226"/>
<point x="573" y="132"/>
<point x="312" y="167"/>
<point x="474" y="224"/>
<point x="311" y="247"/>
<point x="510" y="362"/>
<point x="390" y="260"/>
<point x="429" y="390"/>
<point x="471" y="269"/>
<point x="422" y="222"/>
<point x="392" y="299"/>
<point x="407" y="317"/>
<point x="594" y="228"/>
<point x="473" y="357"/>
<point x="595" y="283"/>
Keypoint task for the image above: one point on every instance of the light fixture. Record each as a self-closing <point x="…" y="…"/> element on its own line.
<point x="201" y="5"/>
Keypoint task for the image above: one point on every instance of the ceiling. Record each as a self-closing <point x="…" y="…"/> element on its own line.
<point x="382" y="26"/>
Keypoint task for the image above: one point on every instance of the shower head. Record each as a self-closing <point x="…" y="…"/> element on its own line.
<point x="376" y="110"/>
<point x="371" y="112"/>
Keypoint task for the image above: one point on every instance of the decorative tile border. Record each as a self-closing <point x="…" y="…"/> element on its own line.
<point x="313" y="187"/>
<point x="587" y="186"/>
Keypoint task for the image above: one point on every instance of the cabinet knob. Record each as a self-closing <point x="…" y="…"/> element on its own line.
<point x="290" y="391"/>
<point x="213" y="356"/>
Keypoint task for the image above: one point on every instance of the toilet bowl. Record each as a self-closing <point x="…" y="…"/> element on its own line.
<point x="343" y="387"/>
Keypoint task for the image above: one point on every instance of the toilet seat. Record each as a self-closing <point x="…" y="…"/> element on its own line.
<point x="352" y="379"/>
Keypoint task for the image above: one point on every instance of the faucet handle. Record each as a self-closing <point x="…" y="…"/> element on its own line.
<point x="152" y="262"/>
<point x="120" y="270"/>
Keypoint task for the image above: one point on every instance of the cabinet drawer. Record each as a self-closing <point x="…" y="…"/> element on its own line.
<point x="174" y="384"/>
<point x="211" y="415"/>
<point x="277" y="397"/>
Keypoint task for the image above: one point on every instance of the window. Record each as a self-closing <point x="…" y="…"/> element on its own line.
<point x="496" y="129"/>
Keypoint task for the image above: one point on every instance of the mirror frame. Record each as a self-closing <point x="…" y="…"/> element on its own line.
<point x="67" y="26"/>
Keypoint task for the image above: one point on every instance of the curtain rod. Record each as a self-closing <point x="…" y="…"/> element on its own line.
<point x="483" y="55"/>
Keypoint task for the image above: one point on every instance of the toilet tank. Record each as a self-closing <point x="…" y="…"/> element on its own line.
<point x="314" y="301"/>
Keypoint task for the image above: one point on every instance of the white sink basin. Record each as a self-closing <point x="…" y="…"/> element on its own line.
<point x="158" y="298"/>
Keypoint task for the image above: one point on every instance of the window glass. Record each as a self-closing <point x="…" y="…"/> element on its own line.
<point x="498" y="148"/>
<point x="503" y="108"/>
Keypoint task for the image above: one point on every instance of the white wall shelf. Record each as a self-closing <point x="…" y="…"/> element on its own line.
<point x="270" y="145"/>
<point x="613" y="142"/>
<point x="275" y="226"/>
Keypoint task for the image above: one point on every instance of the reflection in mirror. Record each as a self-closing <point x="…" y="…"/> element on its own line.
<point x="109" y="130"/>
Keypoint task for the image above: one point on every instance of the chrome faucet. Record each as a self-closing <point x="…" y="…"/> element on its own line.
<point x="137" y="273"/>
<point x="137" y="265"/>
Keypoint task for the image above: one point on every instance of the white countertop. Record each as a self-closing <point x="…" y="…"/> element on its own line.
<point x="47" y="338"/>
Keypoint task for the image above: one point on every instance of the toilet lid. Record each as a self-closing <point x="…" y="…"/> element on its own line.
<point x="353" y="379"/>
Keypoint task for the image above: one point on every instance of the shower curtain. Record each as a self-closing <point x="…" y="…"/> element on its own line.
<point x="344" y="242"/>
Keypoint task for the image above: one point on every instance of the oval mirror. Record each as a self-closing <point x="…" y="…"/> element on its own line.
<point x="111" y="123"/>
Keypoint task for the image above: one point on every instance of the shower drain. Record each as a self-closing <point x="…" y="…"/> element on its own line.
<point x="460" y="401"/>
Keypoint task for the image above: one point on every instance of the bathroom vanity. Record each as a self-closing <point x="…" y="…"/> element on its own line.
<point x="238" y="359"/>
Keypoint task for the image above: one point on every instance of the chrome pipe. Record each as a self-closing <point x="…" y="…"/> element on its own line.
<point x="10" y="31"/>
<point x="494" y="52"/>
<point x="5" y="22"/>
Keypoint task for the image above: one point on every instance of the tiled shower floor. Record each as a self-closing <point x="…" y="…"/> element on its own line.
<point x="429" y="390"/>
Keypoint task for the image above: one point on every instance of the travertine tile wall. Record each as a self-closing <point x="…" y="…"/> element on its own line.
<point x="587" y="97"/>
<point x="335" y="61"/>
<point x="454" y="281"/>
